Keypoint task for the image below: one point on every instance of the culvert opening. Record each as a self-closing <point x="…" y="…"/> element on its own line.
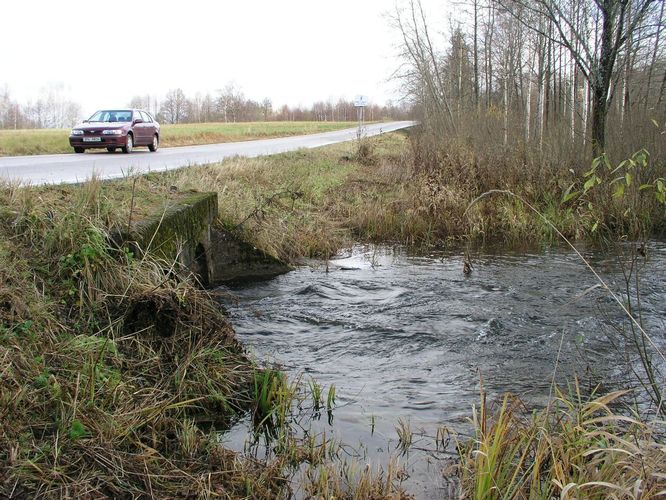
<point x="200" y="265"/>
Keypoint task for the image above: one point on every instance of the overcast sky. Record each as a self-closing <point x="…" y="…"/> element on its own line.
<point x="291" y="51"/>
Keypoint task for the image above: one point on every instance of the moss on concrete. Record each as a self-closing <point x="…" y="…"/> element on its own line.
<point x="170" y="233"/>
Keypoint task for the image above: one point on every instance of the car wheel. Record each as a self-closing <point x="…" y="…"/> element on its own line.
<point x="79" y="150"/>
<point x="111" y="150"/>
<point x="130" y="144"/>
<point x="155" y="144"/>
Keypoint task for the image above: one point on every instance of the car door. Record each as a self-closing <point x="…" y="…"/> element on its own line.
<point x="138" y="129"/>
<point x="148" y="126"/>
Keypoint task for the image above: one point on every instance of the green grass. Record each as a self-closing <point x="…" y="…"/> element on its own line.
<point x="34" y="142"/>
<point x="208" y="133"/>
<point x="52" y="141"/>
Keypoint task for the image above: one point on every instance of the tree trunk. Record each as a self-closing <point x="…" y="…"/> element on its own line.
<point x="586" y="110"/>
<point x="540" y="99"/>
<point x="661" y="90"/>
<point x="654" y="56"/>
<point x="599" y="112"/>
<point x="572" y="99"/>
<point x="489" y="55"/>
<point x="460" y="64"/>
<point x="624" y="99"/>
<point x="476" y="55"/>
<point x="601" y="76"/>
<point x="549" y="76"/>
<point x="506" y="101"/>
<point x="528" y="109"/>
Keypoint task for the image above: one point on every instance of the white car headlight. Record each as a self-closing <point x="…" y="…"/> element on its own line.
<point x="77" y="132"/>
<point x="113" y="131"/>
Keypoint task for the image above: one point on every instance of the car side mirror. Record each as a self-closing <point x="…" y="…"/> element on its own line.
<point x="138" y="120"/>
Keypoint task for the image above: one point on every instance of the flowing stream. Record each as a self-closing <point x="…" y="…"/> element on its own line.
<point x="409" y="337"/>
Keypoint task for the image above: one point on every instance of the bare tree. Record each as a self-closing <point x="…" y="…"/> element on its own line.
<point x="174" y="106"/>
<point x="53" y="109"/>
<point x="140" y="102"/>
<point x="267" y="109"/>
<point x="421" y="73"/>
<point x="230" y="102"/>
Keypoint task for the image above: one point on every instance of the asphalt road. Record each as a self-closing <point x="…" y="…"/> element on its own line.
<point x="73" y="168"/>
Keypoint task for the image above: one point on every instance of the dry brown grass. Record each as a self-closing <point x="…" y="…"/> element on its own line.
<point x="578" y="447"/>
<point x="410" y="189"/>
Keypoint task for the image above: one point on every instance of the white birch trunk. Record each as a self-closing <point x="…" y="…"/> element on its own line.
<point x="572" y="98"/>
<point x="460" y="64"/>
<point x="506" y="107"/>
<point x="586" y="109"/>
<point x="540" y="106"/>
<point x="528" y="108"/>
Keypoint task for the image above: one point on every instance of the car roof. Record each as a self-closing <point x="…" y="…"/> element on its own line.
<point x="121" y="110"/>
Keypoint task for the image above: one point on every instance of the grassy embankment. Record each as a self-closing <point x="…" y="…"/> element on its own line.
<point x="312" y="203"/>
<point x="95" y="400"/>
<point x="51" y="141"/>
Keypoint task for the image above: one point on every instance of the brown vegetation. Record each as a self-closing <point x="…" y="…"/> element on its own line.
<point x="412" y="189"/>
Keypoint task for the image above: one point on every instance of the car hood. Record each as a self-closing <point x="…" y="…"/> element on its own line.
<point x="101" y="125"/>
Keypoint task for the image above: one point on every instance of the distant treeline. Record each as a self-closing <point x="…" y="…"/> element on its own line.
<point x="231" y="105"/>
<point x="54" y="110"/>
<point x="51" y="110"/>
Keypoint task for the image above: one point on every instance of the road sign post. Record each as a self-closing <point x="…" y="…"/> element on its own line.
<point x="360" y="102"/>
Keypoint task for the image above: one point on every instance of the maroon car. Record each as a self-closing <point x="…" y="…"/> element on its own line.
<point x="116" y="128"/>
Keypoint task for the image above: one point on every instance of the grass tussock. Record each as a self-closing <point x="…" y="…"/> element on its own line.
<point x="578" y="447"/>
<point x="355" y="482"/>
<point x="52" y="141"/>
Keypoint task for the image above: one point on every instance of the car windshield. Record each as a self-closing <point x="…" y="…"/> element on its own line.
<point x="112" y="115"/>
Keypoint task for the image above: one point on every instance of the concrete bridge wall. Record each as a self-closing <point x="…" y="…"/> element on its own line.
<point x="187" y="232"/>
